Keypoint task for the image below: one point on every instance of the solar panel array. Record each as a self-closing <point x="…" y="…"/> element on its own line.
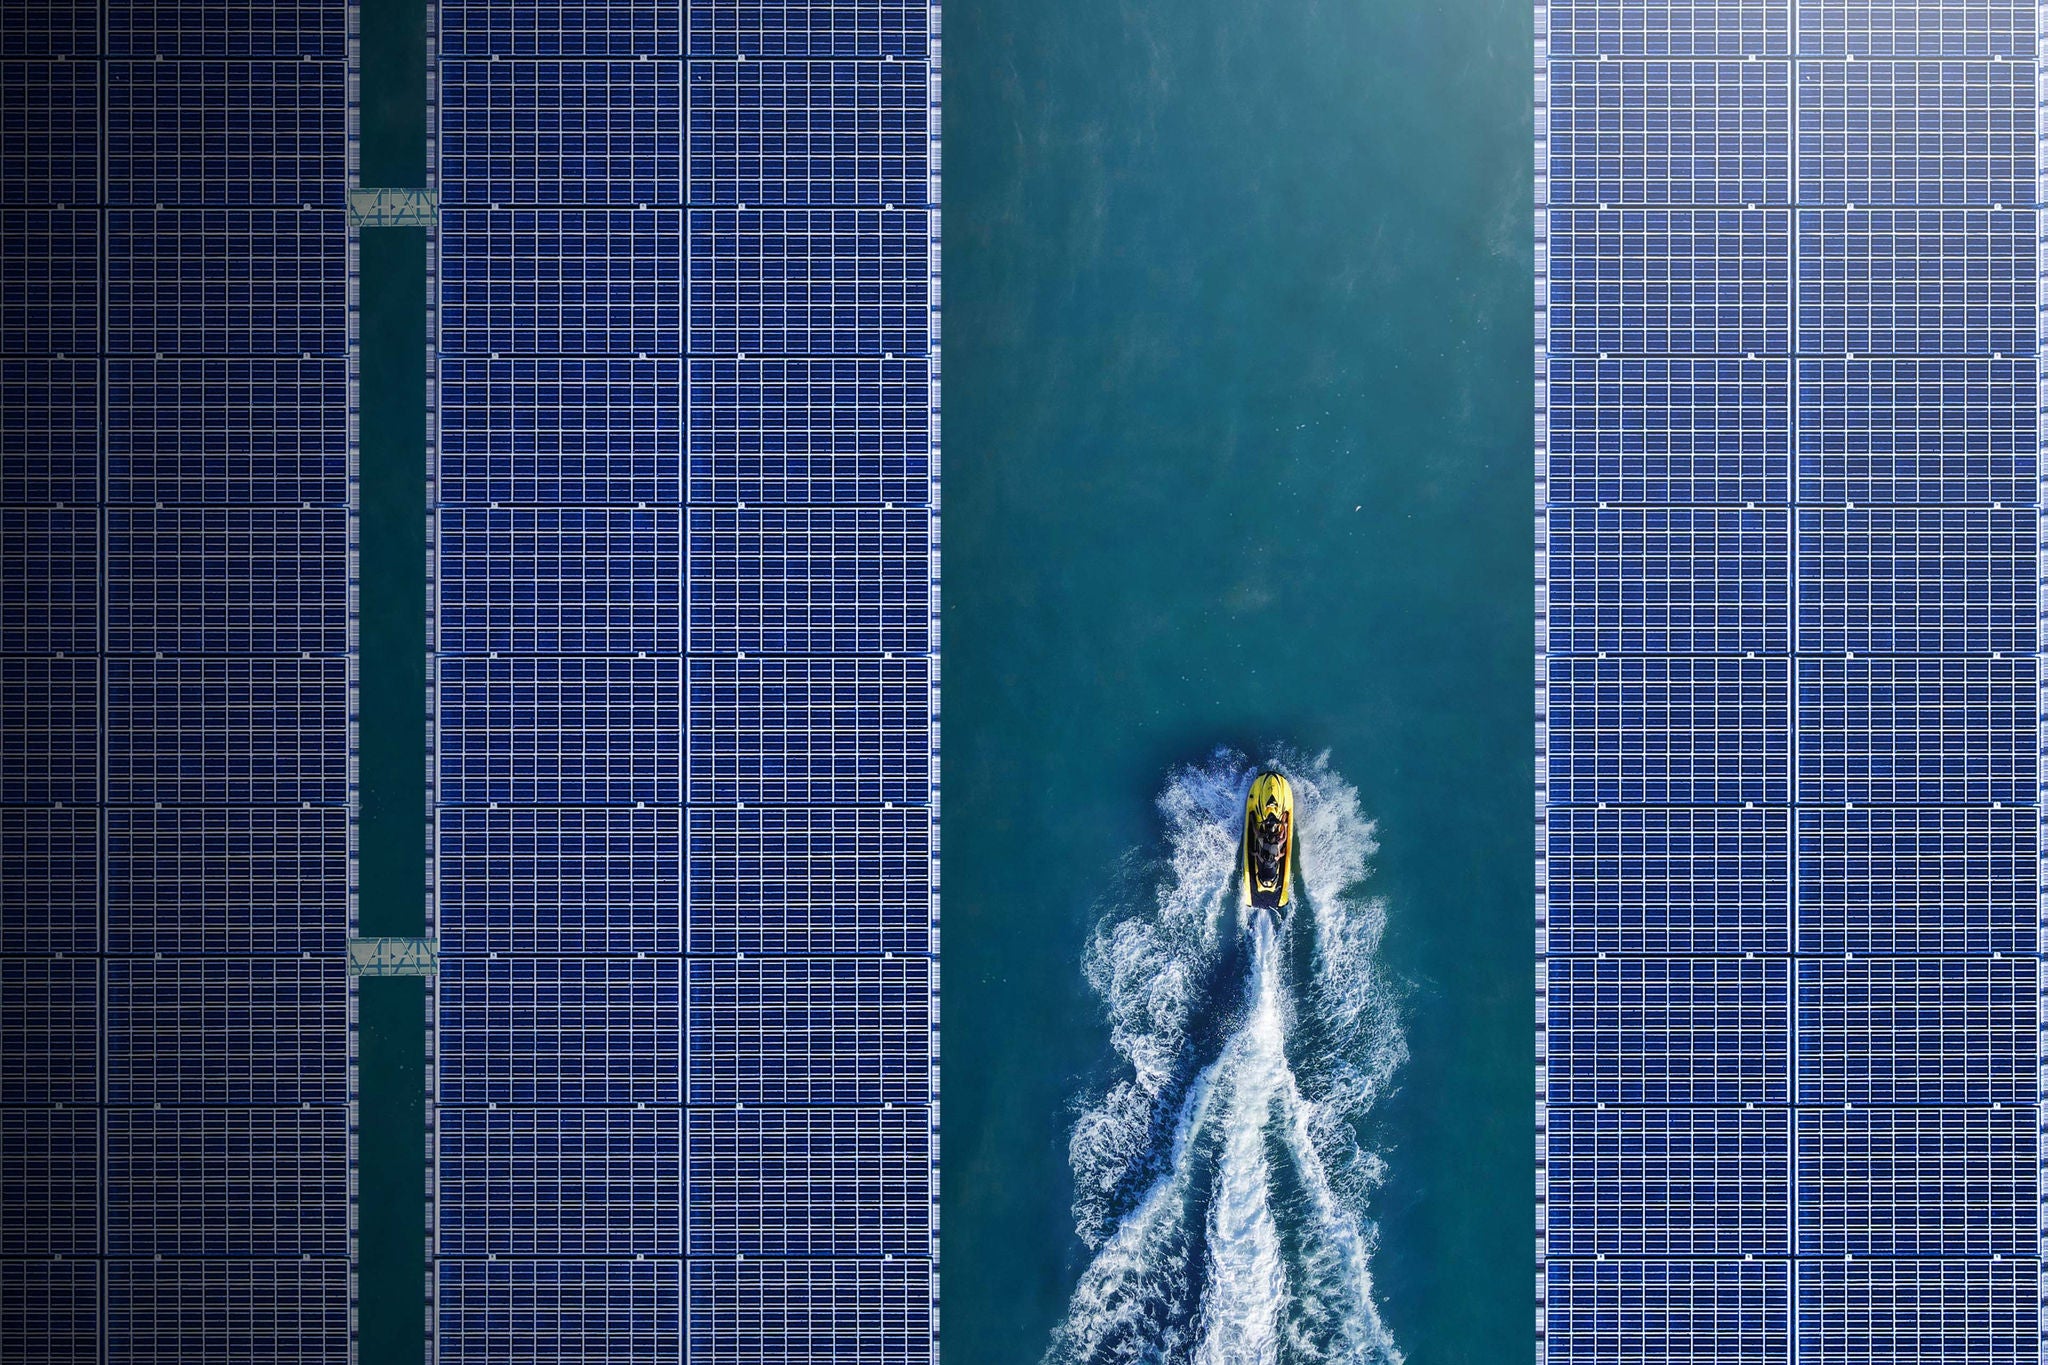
<point x="685" y="668"/>
<point x="176" y="631"/>
<point x="1789" y="1012"/>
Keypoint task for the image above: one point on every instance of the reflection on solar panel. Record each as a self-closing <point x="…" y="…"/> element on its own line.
<point x="685" y="591"/>
<point x="176" y="604"/>
<point x="1788" y="694"/>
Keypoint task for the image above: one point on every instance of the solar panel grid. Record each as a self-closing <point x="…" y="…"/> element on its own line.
<point x="1918" y="881"/>
<point x="1668" y="431"/>
<point x="1670" y="581"/>
<point x="810" y="28"/>
<point x="1669" y="731"/>
<point x="223" y="1312"/>
<point x="573" y="1312"/>
<point x="286" y="274"/>
<point x="1938" y="1031"/>
<point x="560" y="1031"/>
<point x="823" y="1181"/>
<point x="227" y="133"/>
<point x="587" y="282"/>
<point x="240" y="732"/>
<point x="809" y="732"/>
<point x="214" y="1032"/>
<point x="1862" y="1312"/>
<point x="185" y="1181"/>
<point x="1702" y="882"/>
<point x="570" y="29"/>
<point x="1673" y="1312"/>
<point x="49" y="282"/>
<point x="1698" y="1183"/>
<point x="792" y="1030"/>
<point x="560" y="883"/>
<point x="1917" y="133"/>
<point x="810" y="431"/>
<point x="1917" y="580"/>
<point x="1670" y="28"/>
<point x="49" y="132"/>
<point x="56" y="1305"/>
<point x="227" y="581"/>
<point x="810" y="581"/>
<point x="816" y="282"/>
<point x="226" y="882"/>
<point x="49" y="881"/>
<point x="561" y="432"/>
<point x="810" y="880"/>
<point x="1918" y="431"/>
<point x="49" y="1031"/>
<point x="559" y="1183"/>
<point x="1939" y="1181"/>
<point x="49" y="731"/>
<point x="1947" y="731"/>
<point x="1677" y="281"/>
<point x="560" y="581"/>
<point x="556" y="731"/>
<point x="50" y="1183"/>
<point x="298" y="29"/>
<point x="1668" y="1031"/>
<point x="796" y="1312"/>
<point x="50" y="28"/>
<point x="1918" y="28"/>
<point x="1933" y="282"/>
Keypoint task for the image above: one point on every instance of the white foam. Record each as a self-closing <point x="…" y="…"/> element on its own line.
<point x="1202" y="1140"/>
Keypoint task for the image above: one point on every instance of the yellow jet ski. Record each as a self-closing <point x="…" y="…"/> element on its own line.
<point x="1269" y="843"/>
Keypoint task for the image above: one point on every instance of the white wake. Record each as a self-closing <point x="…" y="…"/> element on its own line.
<point x="1220" y="1183"/>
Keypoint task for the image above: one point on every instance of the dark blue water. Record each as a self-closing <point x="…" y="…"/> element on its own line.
<point x="1238" y="359"/>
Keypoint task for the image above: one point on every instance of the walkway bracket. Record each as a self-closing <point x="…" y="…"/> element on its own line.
<point x="392" y="956"/>
<point x="393" y="208"/>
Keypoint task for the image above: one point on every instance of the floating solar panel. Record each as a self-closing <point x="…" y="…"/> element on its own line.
<point x="822" y="282"/>
<point x="560" y="1183"/>
<point x="1677" y="1312"/>
<point x="560" y="1031"/>
<point x="227" y="581"/>
<point x="572" y="29"/>
<point x="56" y="1306"/>
<point x="1670" y="581"/>
<point x="802" y="731"/>
<point x="1917" y="1031"/>
<point x="824" y="1181"/>
<point x="1918" y="28"/>
<point x="232" y="134"/>
<point x="1704" y="881"/>
<point x="561" y="132"/>
<point x="49" y="282"/>
<point x="258" y="431"/>
<point x="560" y="883"/>
<point x="50" y="28"/>
<point x="1668" y="1032"/>
<point x="1918" y="431"/>
<point x="1699" y="1182"/>
<point x="214" y="1032"/>
<point x="237" y="732"/>
<point x="50" y="132"/>
<point x="810" y="431"/>
<point x="561" y="731"/>
<point x="1911" y="133"/>
<point x="810" y="880"/>
<point x="49" y="432"/>
<point x="211" y="881"/>
<point x="560" y="432"/>
<point x="49" y="881"/>
<point x="1669" y="431"/>
<point x="810" y="1031"/>
<point x="297" y="29"/>
<point x="588" y="282"/>
<point x="49" y="1031"/>
<point x="1670" y="28"/>
<point x="1934" y="282"/>
<point x="1862" y="1312"/>
<point x="49" y="580"/>
<point x="1913" y="731"/>
<point x="163" y="270"/>
<point x="1664" y="132"/>
<point x="809" y="133"/>
<point x="574" y="1312"/>
<point x="1918" y="881"/>
<point x="561" y="580"/>
<point x="811" y="28"/>
<point x="50" y="1179"/>
<point x="1938" y="1181"/>
<point x="1917" y="581"/>
<point x="246" y="1182"/>
<point x="49" y="711"/>
<point x="810" y="581"/>
<point x="794" y="1312"/>
<point x="221" y="1312"/>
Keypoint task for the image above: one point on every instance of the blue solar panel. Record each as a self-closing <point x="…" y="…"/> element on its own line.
<point x="571" y="1312"/>
<point x="810" y="431"/>
<point x="227" y="581"/>
<point x="1669" y="881"/>
<point x="316" y="29"/>
<point x="1917" y="581"/>
<point x="809" y="28"/>
<point x="227" y="133"/>
<point x="49" y="282"/>
<point x="559" y="28"/>
<point x="50" y="132"/>
<point x="560" y="731"/>
<point x="810" y="1030"/>
<point x="561" y="132"/>
<point x="566" y="1031"/>
<point x="826" y="1181"/>
<point x="1669" y="431"/>
<point x="1948" y="1182"/>
<point x="798" y="1312"/>
<point x="50" y="1310"/>
<point x="1669" y="731"/>
<point x="1670" y="281"/>
<point x="50" y="713"/>
<point x="50" y="1182"/>
<point x="49" y="881"/>
<point x="1916" y="731"/>
<point x="49" y="580"/>
<point x="1918" y="1312"/>
<point x="49" y="432"/>
<point x="810" y="581"/>
<point x="828" y="731"/>
<point x="565" y="1183"/>
<point x="1906" y="1031"/>
<point x="207" y="1031"/>
<point x="49" y="1031"/>
<point x="810" y="881"/>
<point x="1918" y="431"/>
<point x="1935" y="282"/>
<point x="1669" y="28"/>
<point x="1697" y="1182"/>
<point x="821" y="282"/>
<point x="1668" y="1032"/>
<point x="1916" y="133"/>
<point x="1918" y="881"/>
<point x="809" y="133"/>
<point x="1677" y="1312"/>
<point x="50" y="28"/>
<point x="164" y="274"/>
<point x="222" y="1312"/>
<point x="235" y="732"/>
<point x="227" y="431"/>
<point x="1663" y="132"/>
<point x="228" y="1182"/>
<point x="560" y="882"/>
<point x="218" y="882"/>
<point x="1917" y="28"/>
<point x="561" y="431"/>
<point x="1670" y="581"/>
<point x="561" y="581"/>
<point x="582" y="282"/>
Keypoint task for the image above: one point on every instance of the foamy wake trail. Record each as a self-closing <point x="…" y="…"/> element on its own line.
<point x="1220" y="1182"/>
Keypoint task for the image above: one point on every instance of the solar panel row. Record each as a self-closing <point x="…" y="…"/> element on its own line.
<point x="685" y="599"/>
<point x="1789" y="598"/>
<point x="175" y="632"/>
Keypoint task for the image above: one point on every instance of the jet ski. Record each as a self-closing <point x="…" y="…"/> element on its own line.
<point x="1269" y="843"/>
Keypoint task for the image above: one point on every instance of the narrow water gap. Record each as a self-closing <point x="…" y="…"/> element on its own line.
<point x="392" y="823"/>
